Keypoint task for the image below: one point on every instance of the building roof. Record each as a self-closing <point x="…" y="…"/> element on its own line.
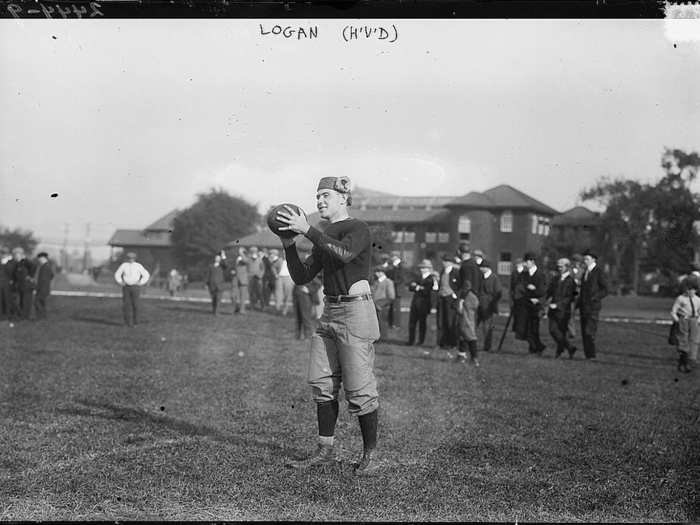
<point x="165" y="223"/>
<point x="577" y="216"/>
<point x="143" y="238"/>
<point x="503" y="196"/>
<point x="401" y="216"/>
<point x="473" y="199"/>
<point x="360" y="193"/>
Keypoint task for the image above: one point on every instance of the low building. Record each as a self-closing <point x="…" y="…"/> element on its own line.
<point x="152" y="245"/>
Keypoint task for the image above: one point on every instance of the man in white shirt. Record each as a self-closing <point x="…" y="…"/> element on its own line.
<point x="131" y="276"/>
<point x="284" y="285"/>
<point x="383" y="294"/>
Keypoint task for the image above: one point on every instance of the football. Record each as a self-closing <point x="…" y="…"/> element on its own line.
<point x="275" y="224"/>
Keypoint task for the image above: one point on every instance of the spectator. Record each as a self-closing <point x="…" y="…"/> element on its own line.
<point x="561" y="293"/>
<point x="469" y="267"/>
<point x="174" y="282"/>
<point x="242" y="280"/>
<point x="284" y="286"/>
<point x="448" y="286"/>
<point x="518" y="300"/>
<point x="256" y="269"/>
<point x="422" y="289"/>
<point x="686" y="313"/>
<point x="5" y="292"/>
<point x="594" y="287"/>
<point x="22" y="283"/>
<point x="43" y="277"/>
<point x="383" y="294"/>
<point x="395" y="271"/>
<point x="468" y="306"/>
<point x="268" y="279"/>
<point x="215" y="280"/>
<point x="131" y="276"/>
<point x="303" y="298"/>
<point x="577" y="268"/>
<point x="489" y="296"/>
<point x="535" y="290"/>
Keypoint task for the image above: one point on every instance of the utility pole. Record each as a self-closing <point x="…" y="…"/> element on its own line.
<point x="86" y="250"/>
<point x="64" y="250"/>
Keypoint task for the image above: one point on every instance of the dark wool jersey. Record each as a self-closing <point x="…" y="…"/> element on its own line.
<point x="342" y="251"/>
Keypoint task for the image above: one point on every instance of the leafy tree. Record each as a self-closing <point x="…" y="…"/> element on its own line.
<point x="649" y="226"/>
<point x="18" y="238"/>
<point x="213" y="221"/>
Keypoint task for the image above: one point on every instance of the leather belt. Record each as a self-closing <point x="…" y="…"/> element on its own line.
<point x="334" y="299"/>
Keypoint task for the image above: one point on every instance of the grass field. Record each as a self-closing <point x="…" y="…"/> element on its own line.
<point x="188" y="416"/>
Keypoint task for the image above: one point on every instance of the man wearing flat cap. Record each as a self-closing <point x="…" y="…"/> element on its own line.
<point x="449" y="285"/>
<point x="342" y="349"/>
<point x="489" y="296"/>
<point x="422" y="289"/>
<point x="43" y="276"/>
<point x="131" y="276"/>
<point x="594" y="287"/>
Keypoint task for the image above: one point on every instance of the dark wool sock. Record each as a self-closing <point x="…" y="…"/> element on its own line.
<point x="472" y="349"/>
<point x="327" y="415"/>
<point x="368" y="426"/>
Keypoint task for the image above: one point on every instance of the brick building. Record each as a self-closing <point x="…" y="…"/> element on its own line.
<point x="502" y="221"/>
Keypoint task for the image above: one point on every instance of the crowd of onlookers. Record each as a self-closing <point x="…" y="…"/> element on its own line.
<point x="25" y="284"/>
<point x="464" y="293"/>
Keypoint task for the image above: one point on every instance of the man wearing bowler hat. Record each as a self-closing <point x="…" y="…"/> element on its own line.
<point x="594" y="287"/>
<point x="422" y="289"/>
<point x="131" y="276"/>
<point x="535" y="290"/>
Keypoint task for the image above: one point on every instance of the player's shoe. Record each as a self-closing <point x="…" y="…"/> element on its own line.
<point x="368" y="465"/>
<point x="325" y="455"/>
<point x="461" y="357"/>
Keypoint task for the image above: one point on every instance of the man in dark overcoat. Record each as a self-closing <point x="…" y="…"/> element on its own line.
<point x="535" y="290"/>
<point x="422" y="288"/>
<point x="594" y="287"/>
<point x="489" y="297"/>
<point x="561" y="293"/>
<point x="43" y="276"/>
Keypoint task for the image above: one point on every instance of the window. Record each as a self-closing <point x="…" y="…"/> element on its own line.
<point x="540" y="225"/>
<point x="464" y="225"/>
<point x="507" y="221"/>
<point x="444" y="237"/>
<point x="505" y="266"/>
<point x="430" y="237"/>
<point x="409" y="237"/>
<point x="464" y="228"/>
<point x="397" y="236"/>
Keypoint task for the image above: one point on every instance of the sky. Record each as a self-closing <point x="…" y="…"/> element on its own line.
<point x="127" y="119"/>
